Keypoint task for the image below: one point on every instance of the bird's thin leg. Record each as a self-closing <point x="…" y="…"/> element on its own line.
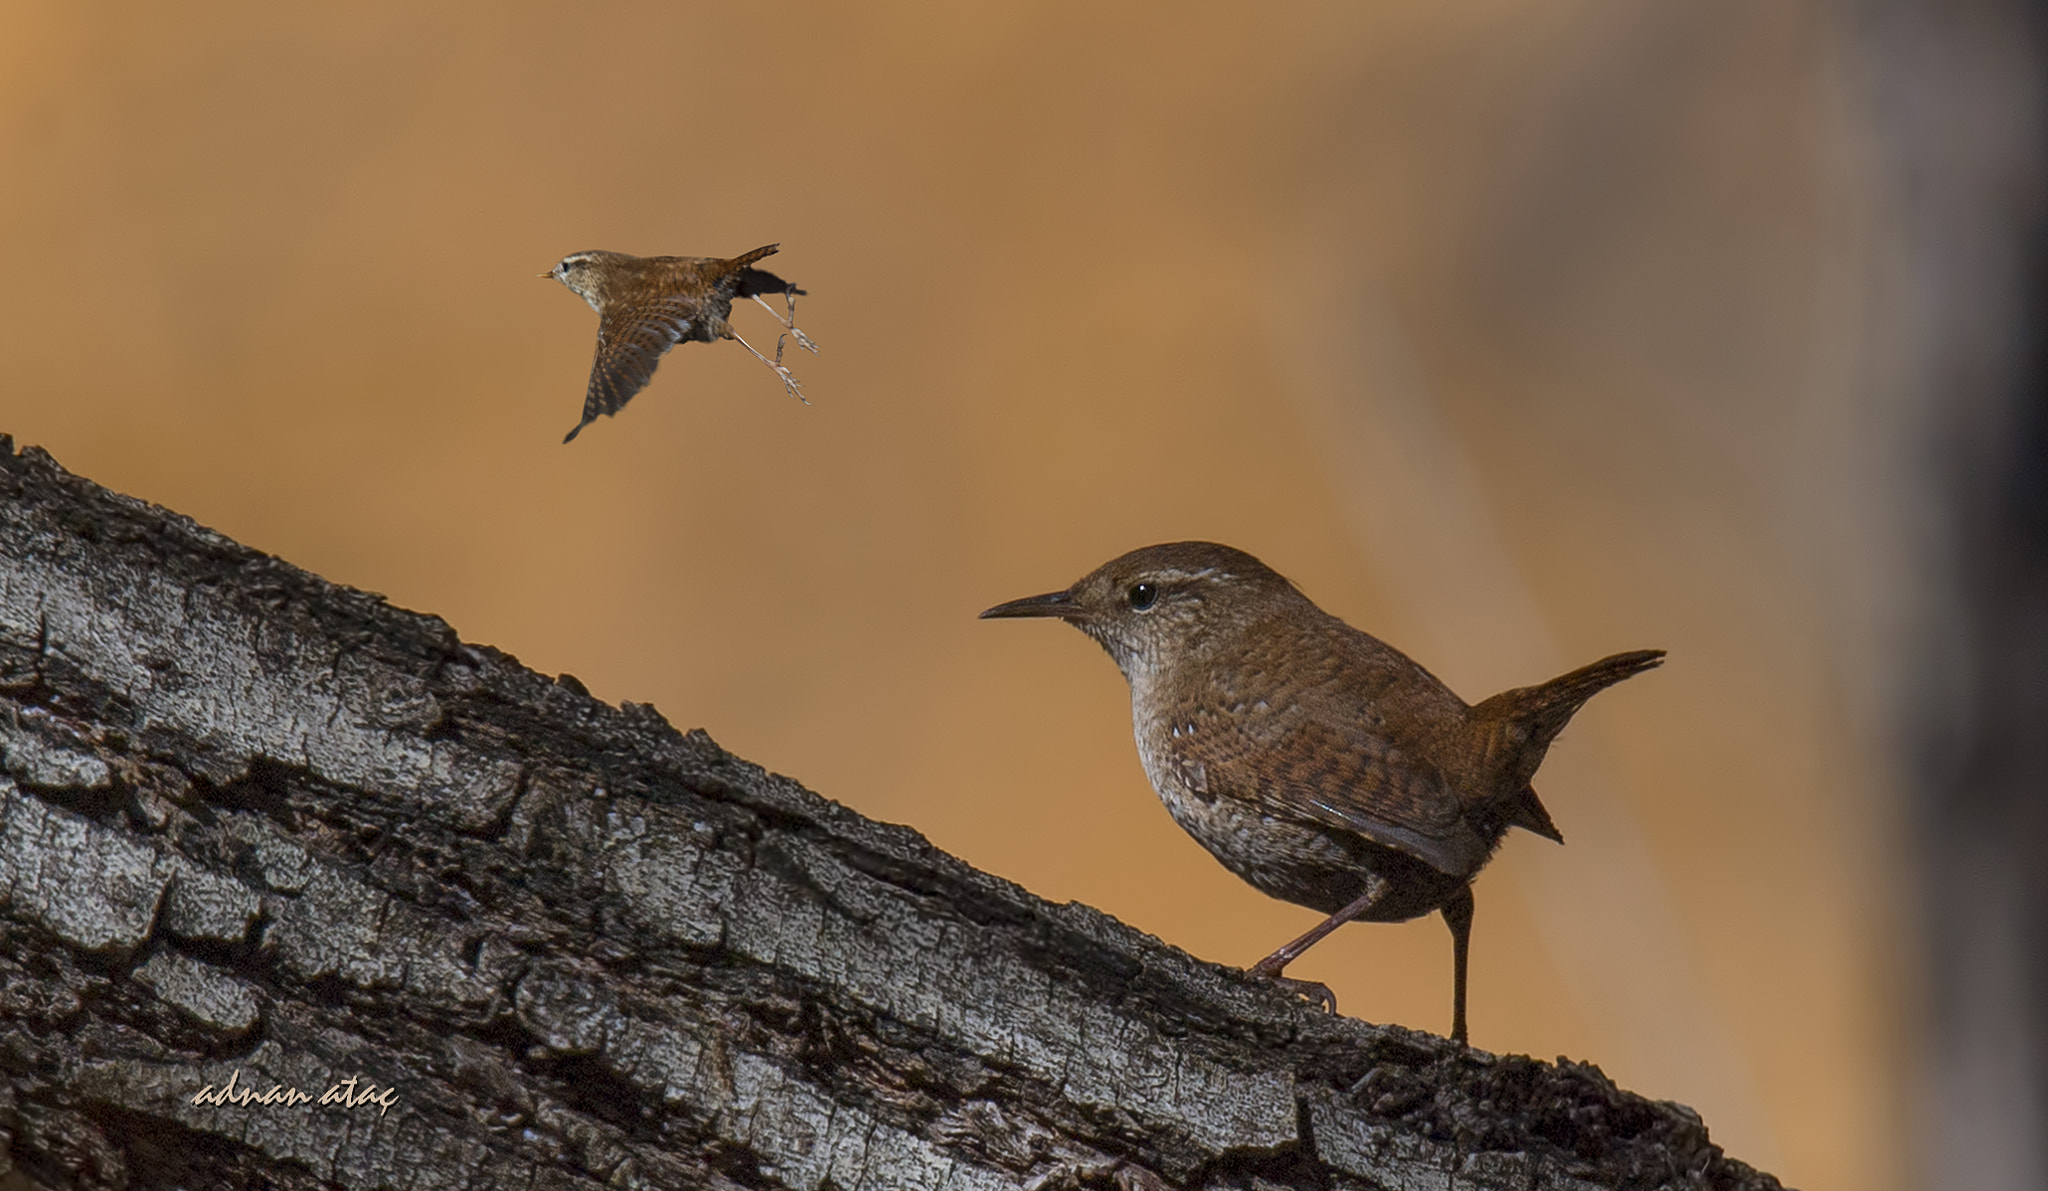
<point x="1458" y="916"/>
<point x="1270" y="967"/>
<point x="789" y="380"/>
<point x="802" y="340"/>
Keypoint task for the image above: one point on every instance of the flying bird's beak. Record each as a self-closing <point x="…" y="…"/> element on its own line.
<point x="549" y="273"/>
<point x="1056" y="603"/>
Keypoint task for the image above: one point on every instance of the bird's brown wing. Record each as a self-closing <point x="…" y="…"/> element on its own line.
<point x="630" y="342"/>
<point x="1293" y="764"/>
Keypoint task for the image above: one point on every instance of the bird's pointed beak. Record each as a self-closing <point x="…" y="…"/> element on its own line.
<point x="549" y="273"/>
<point x="1055" y="603"/>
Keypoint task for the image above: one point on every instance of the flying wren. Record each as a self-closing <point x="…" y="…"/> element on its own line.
<point x="1316" y="762"/>
<point x="647" y="304"/>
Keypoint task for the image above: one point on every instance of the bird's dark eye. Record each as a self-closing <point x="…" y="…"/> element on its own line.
<point x="1143" y="596"/>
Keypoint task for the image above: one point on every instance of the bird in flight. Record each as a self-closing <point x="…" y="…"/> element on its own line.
<point x="647" y="304"/>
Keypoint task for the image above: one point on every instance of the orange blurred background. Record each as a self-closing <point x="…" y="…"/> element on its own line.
<point x="1515" y="334"/>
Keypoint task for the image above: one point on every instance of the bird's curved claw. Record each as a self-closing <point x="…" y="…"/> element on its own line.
<point x="802" y="340"/>
<point x="1314" y="992"/>
<point x="790" y="383"/>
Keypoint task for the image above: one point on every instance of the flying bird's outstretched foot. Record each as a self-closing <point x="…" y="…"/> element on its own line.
<point x="789" y="380"/>
<point x="789" y="297"/>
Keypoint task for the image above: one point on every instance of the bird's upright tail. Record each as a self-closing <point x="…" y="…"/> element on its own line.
<point x="1529" y="718"/>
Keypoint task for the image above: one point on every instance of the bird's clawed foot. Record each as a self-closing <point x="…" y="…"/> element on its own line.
<point x="789" y="298"/>
<point x="790" y="383"/>
<point x="1268" y="972"/>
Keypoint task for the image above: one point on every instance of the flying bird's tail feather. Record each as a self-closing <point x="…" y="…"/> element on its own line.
<point x="761" y="281"/>
<point x="747" y="258"/>
<point x="758" y="281"/>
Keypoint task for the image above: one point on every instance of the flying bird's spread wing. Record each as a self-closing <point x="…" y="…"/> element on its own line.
<point x="630" y="342"/>
<point x="647" y="305"/>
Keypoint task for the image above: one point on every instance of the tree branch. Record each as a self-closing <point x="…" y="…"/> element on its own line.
<point x="262" y="833"/>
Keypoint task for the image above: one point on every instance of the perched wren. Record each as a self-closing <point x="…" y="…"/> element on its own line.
<point x="1316" y="762"/>
<point x="647" y="304"/>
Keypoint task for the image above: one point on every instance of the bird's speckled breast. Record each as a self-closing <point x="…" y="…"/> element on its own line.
<point x="1303" y="864"/>
<point x="1298" y="863"/>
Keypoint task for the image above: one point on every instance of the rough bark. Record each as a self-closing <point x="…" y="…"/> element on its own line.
<point x="258" y="828"/>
